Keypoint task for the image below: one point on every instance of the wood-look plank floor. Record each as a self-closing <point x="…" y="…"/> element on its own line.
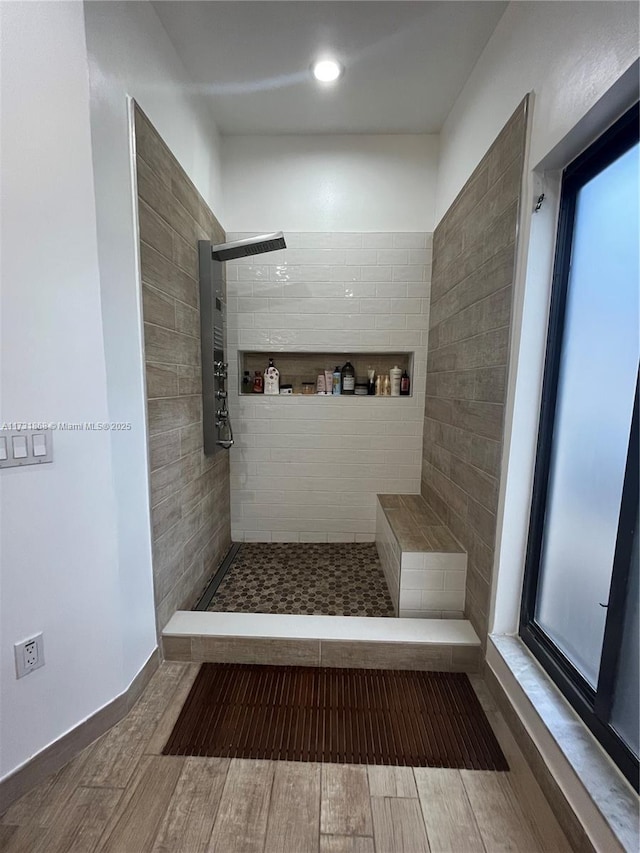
<point x="121" y="796"/>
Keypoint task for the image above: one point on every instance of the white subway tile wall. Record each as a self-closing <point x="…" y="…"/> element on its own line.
<point x="308" y="469"/>
<point x="432" y="583"/>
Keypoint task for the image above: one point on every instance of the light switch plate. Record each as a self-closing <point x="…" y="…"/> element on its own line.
<point x="25" y="447"/>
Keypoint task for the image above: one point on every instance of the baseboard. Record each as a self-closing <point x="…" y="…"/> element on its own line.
<point x="565" y="815"/>
<point x="55" y="756"/>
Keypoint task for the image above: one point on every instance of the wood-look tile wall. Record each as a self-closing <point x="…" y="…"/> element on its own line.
<point x="471" y="293"/>
<point x="189" y="491"/>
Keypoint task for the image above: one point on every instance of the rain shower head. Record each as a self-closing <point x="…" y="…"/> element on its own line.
<point x="250" y="246"/>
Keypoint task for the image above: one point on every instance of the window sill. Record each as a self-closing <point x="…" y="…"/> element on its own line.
<point x="606" y="788"/>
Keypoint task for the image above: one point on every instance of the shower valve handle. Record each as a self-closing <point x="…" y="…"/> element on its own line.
<point x="221" y="395"/>
<point x="222" y="416"/>
<point x="220" y="369"/>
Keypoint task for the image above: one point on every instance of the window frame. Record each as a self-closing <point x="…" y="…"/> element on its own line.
<point x="593" y="706"/>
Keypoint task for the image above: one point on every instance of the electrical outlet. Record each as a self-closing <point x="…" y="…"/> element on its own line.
<point x="29" y="655"/>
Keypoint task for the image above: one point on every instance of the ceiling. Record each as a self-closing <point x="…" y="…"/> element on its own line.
<point x="405" y="62"/>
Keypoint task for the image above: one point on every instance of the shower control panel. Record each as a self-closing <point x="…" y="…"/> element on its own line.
<point x="223" y="425"/>
<point x="217" y="433"/>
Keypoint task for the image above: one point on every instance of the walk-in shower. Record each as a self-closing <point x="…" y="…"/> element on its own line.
<point x="218" y="434"/>
<point x="308" y="578"/>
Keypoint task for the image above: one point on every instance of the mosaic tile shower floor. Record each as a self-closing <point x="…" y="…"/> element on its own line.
<point x="308" y="579"/>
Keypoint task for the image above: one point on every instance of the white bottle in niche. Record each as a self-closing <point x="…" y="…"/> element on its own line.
<point x="271" y="379"/>
<point x="395" y="374"/>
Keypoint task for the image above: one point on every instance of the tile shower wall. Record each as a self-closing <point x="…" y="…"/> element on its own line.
<point x="473" y="266"/>
<point x="189" y="491"/>
<point x="304" y="468"/>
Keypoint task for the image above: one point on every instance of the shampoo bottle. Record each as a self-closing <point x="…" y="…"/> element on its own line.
<point x="405" y="385"/>
<point x="395" y="375"/>
<point x="336" y="386"/>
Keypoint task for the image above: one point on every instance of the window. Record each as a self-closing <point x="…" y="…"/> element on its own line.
<point x="579" y="611"/>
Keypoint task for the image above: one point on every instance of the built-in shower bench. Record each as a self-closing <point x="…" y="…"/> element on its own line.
<point x="424" y="565"/>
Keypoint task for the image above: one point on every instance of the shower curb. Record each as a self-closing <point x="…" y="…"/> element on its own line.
<point x="445" y="645"/>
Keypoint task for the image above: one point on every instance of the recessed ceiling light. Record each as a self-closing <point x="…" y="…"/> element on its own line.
<point x="326" y="70"/>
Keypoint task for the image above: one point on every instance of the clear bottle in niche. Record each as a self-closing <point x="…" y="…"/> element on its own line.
<point x="371" y="385"/>
<point x="336" y="385"/>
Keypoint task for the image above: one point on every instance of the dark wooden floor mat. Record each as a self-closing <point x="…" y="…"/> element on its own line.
<point x="347" y="716"/>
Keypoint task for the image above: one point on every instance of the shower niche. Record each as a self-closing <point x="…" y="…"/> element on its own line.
<point x="300" y="369"/>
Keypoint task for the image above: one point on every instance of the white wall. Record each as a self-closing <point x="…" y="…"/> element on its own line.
<point x="130" y="55"/>
<point x="329" y="183"/>
<point x="75" y="558"/>
<point x="59" y="560"/>
<point x="342" y="201"/>
<point x="309" y="468"/>
<point x="567" y="53"/>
